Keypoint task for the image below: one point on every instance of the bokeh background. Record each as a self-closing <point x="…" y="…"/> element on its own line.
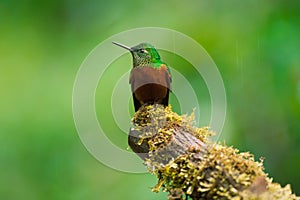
<point x="255" y="44"/>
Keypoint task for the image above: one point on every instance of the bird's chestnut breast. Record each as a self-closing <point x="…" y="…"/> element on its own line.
<point x="150" y="84"/>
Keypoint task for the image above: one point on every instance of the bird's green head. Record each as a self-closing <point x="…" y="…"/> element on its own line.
<point x="143" y="54"/>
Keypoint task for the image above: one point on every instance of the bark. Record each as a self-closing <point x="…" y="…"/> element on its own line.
<point x="188" y="165"/>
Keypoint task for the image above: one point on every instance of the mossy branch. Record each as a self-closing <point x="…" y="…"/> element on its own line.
<point x="188" y="165"/>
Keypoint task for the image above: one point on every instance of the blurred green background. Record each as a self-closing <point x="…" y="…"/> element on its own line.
<point x="255" y="44"/>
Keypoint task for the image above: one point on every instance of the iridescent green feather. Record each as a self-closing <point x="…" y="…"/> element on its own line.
<point x="146" y="55"/>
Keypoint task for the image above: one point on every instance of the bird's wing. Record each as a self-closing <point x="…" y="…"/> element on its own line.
<point x="168" y="76"/>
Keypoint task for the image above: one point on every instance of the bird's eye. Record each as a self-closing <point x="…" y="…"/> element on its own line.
<point x="143" y="51"/>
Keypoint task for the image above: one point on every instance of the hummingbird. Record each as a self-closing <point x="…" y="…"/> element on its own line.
<point x="150" y="77"/>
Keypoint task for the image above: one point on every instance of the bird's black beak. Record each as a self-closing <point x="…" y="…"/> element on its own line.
<point x="123" y="46"/>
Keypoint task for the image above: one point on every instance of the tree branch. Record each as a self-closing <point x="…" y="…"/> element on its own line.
<point x="188" y="165"/>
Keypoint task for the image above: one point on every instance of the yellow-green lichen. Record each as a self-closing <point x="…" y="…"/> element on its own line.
<point x="156" y="124"/>
<point x="188" y="165"/>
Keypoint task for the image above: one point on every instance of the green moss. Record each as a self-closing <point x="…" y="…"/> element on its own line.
<point x="188" y="165"/>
